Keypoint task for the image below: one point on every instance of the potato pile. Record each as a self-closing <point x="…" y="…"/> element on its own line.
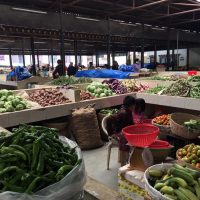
<point x="48" y="97"/>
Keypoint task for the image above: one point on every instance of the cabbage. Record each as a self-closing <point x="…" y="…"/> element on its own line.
<point x="2" y="110"/>
<point x="9" y="108"/>
<point x="10" y="98"/>
<point x="19" y="107"/>
<point x="1" y="104"/>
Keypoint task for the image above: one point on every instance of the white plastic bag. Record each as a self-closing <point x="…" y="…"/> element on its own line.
<point x="70" y="187"/>
<point x="154" y="194"/>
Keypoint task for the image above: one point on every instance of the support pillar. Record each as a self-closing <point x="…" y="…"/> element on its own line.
<point x="168" y="51"/>
<point x="108" y="43"/>
<point x="134" y="54"/>
<point x="38" y="60"/>
<point x="33" y="56"/>
<point x="97" y="59"/>
<point x="188" y="58"/>
<point x="76" y="53"/>
<point x="62" y="42"/>
<point x="23" y="54"/>
<point x="155" y="54"/>
<point x="10" y="58"/>
<point x="142" y="54"/>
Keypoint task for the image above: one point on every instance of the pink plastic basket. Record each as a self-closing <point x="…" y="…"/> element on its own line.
<point x="141" y="135"/>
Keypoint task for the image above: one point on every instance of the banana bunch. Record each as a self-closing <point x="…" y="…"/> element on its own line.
<point x="178" y="183"/>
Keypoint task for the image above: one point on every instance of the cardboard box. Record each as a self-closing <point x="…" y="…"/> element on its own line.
<point x="131" y="184"/>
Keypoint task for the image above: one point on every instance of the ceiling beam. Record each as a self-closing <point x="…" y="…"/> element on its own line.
<point x="186" y="4"/>
<point x="174" y="14"/>
<point x="143" y="6"/>
<point x="185" y="22"/>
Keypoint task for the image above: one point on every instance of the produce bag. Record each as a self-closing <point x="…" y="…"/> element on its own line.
<point x="70" y="187"/>
<point x="153" y="193"/>
<point x="86" y="129"/>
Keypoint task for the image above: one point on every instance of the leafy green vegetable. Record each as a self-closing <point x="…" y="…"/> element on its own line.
<point x="192" y="124"/>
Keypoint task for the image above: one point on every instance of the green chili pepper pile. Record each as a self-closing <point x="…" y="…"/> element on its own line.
<point x="155" y="90"/>
<point x="194" y="78"/>
<point x="32" y="158"/>
<point x="179" y="88"/>
<point x="195" y="91"/>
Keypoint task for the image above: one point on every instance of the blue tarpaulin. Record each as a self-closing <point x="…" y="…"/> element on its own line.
<point x="126" y="68"/>
<point x="103" y="73"/>
<point x="20" y="73"/>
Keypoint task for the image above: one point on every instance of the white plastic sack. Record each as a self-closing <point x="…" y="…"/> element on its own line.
<point x="153" y="193"/>
<point x="70" y="187"/>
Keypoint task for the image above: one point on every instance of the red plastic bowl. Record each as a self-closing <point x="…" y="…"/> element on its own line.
<point x="159" y="144"/>
<point x="141" y="135"/>
<point x="147" y="121"/>
<point x="192" y="73"/>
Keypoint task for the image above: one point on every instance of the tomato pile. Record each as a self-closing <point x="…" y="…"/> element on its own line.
<point x="162" y="120"/>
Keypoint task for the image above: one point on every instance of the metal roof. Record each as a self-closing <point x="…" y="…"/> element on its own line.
<point x="184" y="14"/>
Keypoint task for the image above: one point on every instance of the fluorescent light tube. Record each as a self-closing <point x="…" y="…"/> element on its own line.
<point x="2" y="40"/>
<point x="128" y="24"/>
<point x="39" y="42"/>
<point x="89" y="19"/>
<point x="29" y="10"/>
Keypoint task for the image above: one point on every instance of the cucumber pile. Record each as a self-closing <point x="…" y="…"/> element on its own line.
<point x="177" y="183"/>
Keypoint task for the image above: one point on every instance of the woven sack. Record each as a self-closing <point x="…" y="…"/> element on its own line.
<point x="86" y="129"/>
<point x="177" y="125"/>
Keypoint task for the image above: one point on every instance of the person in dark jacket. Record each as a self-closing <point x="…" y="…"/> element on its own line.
<point x="116" y="122"/>
<point x="58" y="70"/>
<point x="71" y="70"/>
<point x="115" y="65"/>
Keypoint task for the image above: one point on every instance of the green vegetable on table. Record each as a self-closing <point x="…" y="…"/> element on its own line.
<point x="32" y="158"/>
<point x="192" y="124"/>
<point x="194" y="78"/>
<point x="10" y="102"/>
<point x="108" y="111"/>
<point x="179" y="88"/>
<point x="99" y="90"/>
<point x="155" y="90"/>
<point x="195" y="91"/>
<point x="177" y="182"/>
<point x="63" y="80"/>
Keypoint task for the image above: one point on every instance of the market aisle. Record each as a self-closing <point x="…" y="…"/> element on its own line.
<point x="95" y="162"/>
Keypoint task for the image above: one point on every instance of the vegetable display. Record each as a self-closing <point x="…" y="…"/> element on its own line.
<point x="99" y="90"/>
<point x="132" y="86"/>
<point x="192" y="125"/>
<point x="48" y="96"/>
<point x="85" y="95"/>
<point x="155" y="90"/>
<point x="69" y="81"/>
<point x="10" y="102"/>
<point x="108" y="111"/>
<point x="179" y="88"/>
<point x="163" y="120"/>
<point x="116" y="86"/>
<point x="195" y="91"/>
<point x="32" y="158"/>
<point x="176" y="183"/>
<point x="160" y="78"/>
<point x="190" y="154"/>
<point x="194" y="78"/>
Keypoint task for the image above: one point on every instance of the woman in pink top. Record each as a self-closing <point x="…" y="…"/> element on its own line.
<point x="138" y="114"/>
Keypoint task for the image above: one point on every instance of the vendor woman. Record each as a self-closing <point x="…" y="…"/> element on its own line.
<point x="116" y="122"/>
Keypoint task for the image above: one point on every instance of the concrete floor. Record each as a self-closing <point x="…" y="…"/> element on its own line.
<point x="95" y="162"/>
